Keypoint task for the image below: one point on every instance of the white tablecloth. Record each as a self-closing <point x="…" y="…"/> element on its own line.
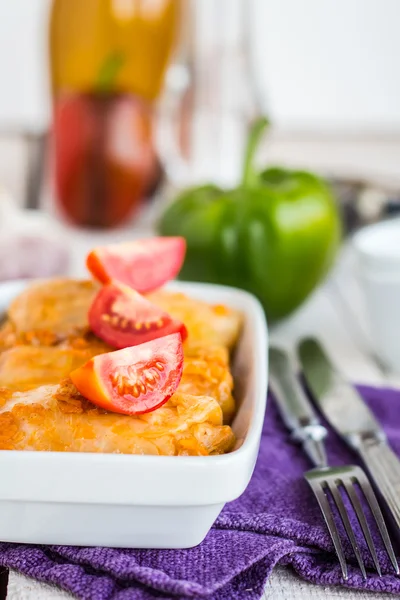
<point x="282" y="585"/>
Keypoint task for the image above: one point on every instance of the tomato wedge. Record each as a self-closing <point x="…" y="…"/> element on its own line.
<point x="144" y="265"/>
<point x="135" y="380"/>
<point x="122" y="317"/>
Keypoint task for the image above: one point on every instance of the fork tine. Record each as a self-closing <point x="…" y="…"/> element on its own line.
<point x="347" y="525"/>
<point x="322" y="500"/>
<point x="376" y="511"/>
<point x="358" y="509"/>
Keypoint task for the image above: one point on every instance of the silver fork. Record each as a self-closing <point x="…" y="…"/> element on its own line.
<point x="301" y="419"/>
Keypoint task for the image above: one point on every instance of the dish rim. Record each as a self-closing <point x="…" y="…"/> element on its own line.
<point x="256" y="313"/>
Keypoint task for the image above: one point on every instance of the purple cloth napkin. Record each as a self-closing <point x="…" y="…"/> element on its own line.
<point x="276" y="520"/>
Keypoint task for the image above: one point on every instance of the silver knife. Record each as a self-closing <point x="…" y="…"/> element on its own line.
<point x="347" y="413"/>
<point x="295" y="408"/>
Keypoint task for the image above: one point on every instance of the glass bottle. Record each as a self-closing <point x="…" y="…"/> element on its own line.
<point x="211" y="95"/>
<point x="107" y="62"/>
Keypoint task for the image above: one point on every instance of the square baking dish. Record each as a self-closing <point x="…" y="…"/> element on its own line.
<point x="140" y="501"/>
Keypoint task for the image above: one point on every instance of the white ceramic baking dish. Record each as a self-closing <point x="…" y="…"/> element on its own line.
<point x="139" y="501"/>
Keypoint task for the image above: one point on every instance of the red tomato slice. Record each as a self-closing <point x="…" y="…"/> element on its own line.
<point x="122" y="317"/>
<point x="135" y="380"/>
<point x="144" y="265"/>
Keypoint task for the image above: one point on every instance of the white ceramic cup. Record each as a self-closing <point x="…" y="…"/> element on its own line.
<point x="378" y="257"/>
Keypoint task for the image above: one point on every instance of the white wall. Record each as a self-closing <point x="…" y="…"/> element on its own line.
<point x="330" y="64"/>
<point x="322" y="64"/>
<point x="24" y="99"/>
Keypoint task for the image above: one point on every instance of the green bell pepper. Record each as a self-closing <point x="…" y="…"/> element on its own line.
<point x="276" y="235"/>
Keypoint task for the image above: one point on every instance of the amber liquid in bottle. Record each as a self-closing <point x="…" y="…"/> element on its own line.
<point x="108" y="59"/>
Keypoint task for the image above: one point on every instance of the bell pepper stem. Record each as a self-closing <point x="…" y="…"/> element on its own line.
<point x="108" y="72"/>
<point x="256" y="132"/>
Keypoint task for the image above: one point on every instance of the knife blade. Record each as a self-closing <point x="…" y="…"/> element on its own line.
<point x="339" y="402"/>
<point x="295" y="408"/>
<point x="345" y="410"/>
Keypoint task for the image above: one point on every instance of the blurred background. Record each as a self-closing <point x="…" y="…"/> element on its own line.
<point x="325" y="72"/>
<point x="110" y="109"/>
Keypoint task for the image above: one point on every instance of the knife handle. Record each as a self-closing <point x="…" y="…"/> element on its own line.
<point x="384" y="467"/>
